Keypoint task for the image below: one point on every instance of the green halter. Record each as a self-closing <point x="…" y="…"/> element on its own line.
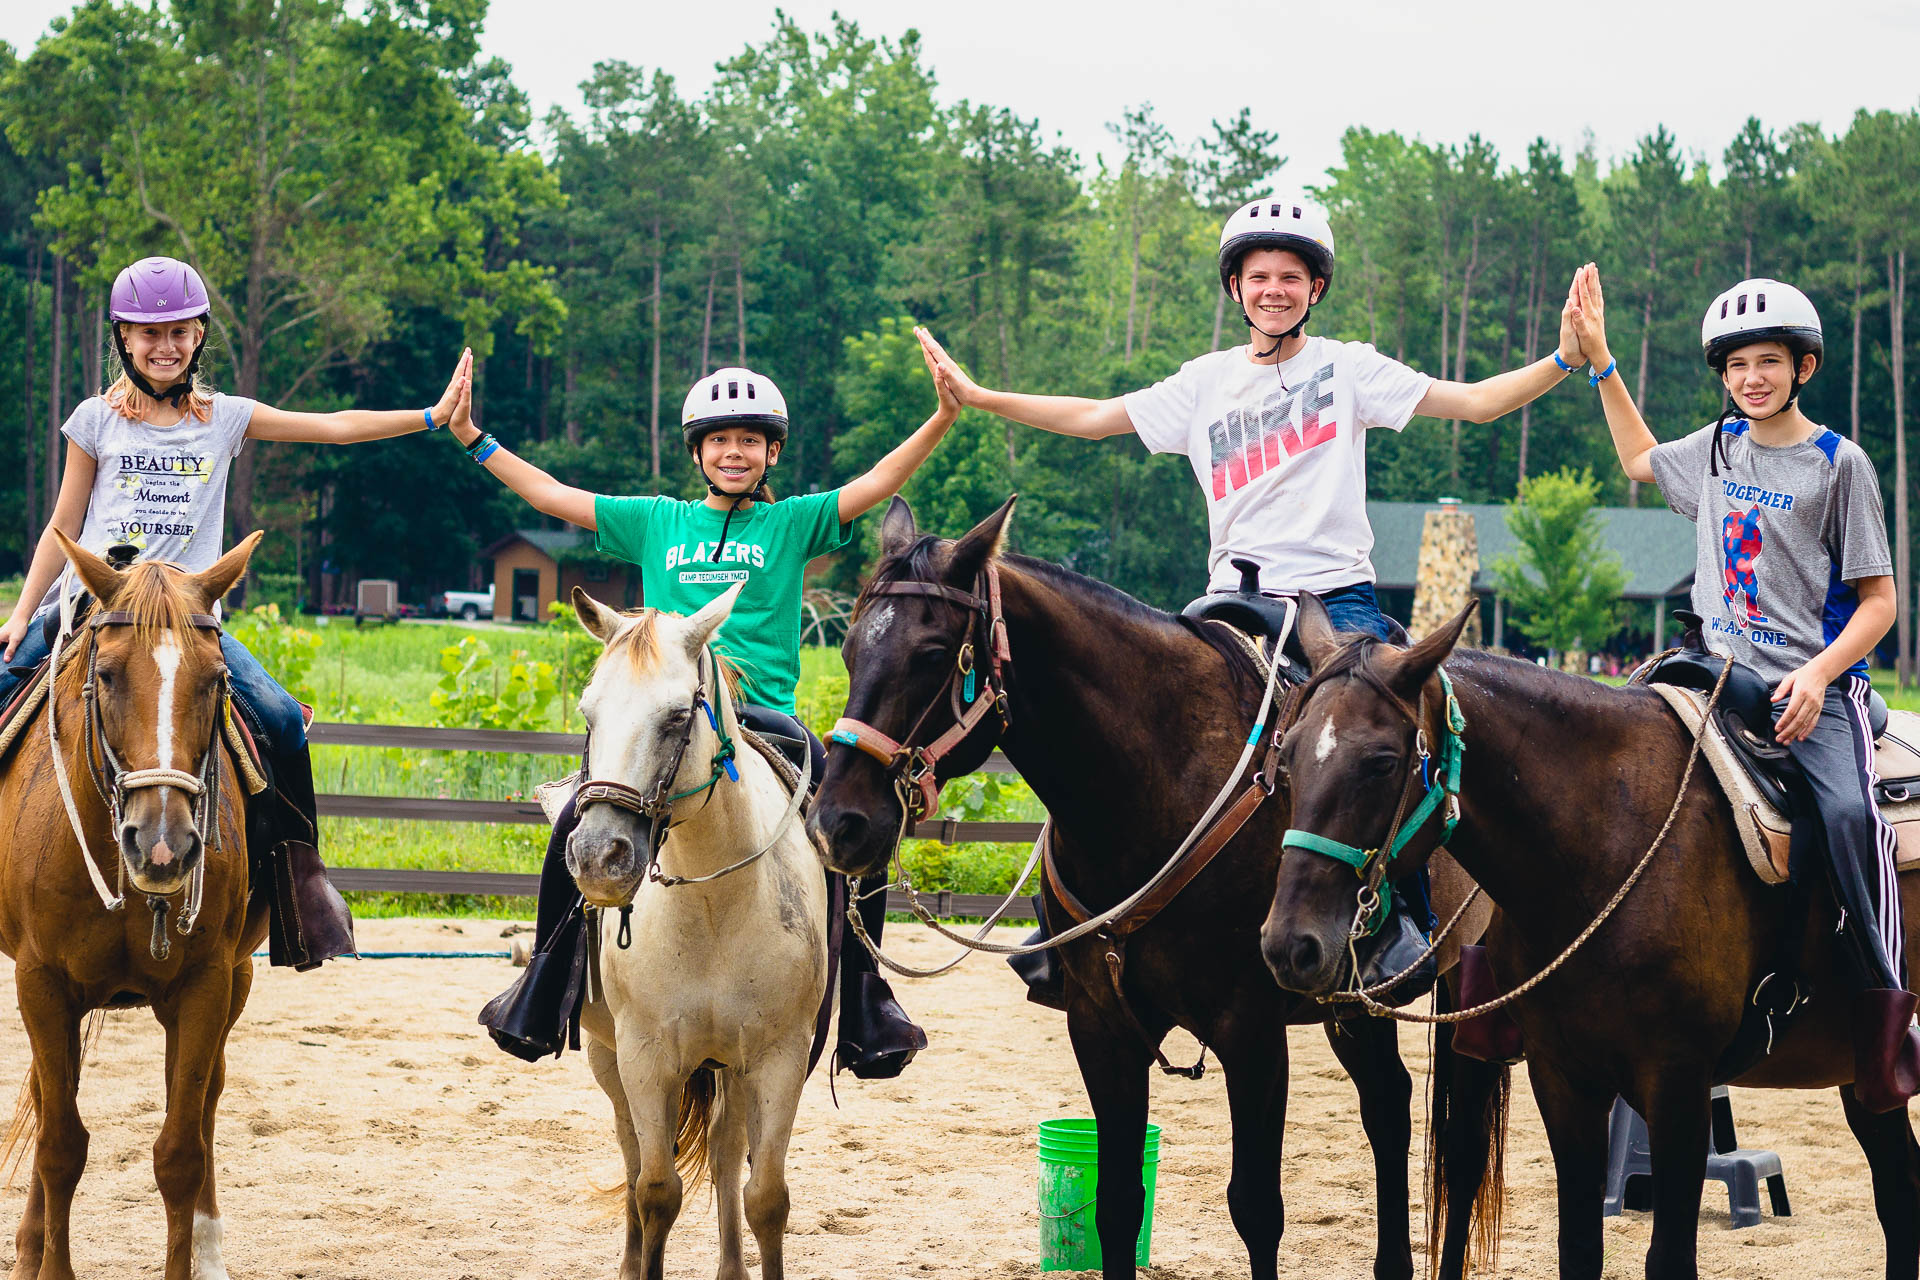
<point x="1452" y="749"/>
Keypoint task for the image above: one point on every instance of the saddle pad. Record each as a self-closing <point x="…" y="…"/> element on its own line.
<point x="1764" y="830"/>
<point x="553" y="796"/>
<point x="1253" y="647"/>
<point x="21" y="711"/>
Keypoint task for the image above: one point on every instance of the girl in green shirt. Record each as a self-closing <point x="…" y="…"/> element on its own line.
<point x="735" y="426"/>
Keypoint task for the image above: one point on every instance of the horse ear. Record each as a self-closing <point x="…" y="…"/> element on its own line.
<point x="1412" y="668"/>
<point x="982" y="543"/>
<point x="702" y="625"/>
<point x="1318" y="639"/>
<point x="218" y="578"/>
<point x="600" y="622"/>
<point x="897" y="530"/>
<point x="96" y="575"/>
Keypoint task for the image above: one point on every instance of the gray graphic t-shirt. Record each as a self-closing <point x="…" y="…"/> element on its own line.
<point x="163" y="489"/>
<point x="1780" y="534"/>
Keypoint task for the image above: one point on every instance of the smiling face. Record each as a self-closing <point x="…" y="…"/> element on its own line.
<point x="1760" y="377"/>
<point x="1276" y="287"/>
<point x="735" y="458"/>
<point x="161" y="352"/>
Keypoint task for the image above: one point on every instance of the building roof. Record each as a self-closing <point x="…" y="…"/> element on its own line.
<point x="554" y="543"/>
<point x="1655" y="546"/>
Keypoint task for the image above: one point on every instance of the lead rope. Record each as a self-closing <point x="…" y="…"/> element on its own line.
<point x="978" y="943"/>
<point x="1363" y="997"/>
<point x="112" y="902"/>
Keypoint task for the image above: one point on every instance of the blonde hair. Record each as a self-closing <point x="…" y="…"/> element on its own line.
<point x="129" y="401"/>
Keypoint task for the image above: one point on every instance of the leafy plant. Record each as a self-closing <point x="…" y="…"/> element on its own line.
<point x="476" y="693"/>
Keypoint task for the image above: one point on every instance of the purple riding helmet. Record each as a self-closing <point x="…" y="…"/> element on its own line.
<point x="152" y="291"/>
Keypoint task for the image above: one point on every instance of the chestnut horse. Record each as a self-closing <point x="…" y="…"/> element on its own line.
<point x="1566" y="785"/>
<point x="1124" y="720"/>
<point x="155" y="805"/>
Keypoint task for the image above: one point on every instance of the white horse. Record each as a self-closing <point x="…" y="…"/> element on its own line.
<point x="700" y="1029"/>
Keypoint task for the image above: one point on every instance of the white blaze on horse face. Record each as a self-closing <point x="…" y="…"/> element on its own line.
<point x="166" y="656"/>
<point x="1324" y="744"/>
<point x="879" y="622"/>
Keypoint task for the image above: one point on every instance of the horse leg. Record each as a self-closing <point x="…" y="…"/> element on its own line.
<point x="1113" y="1065"/>
<point x="196" y="1023"/>
<point x="1887" y="1139"/>
<point x="653" y="1106"/>
<point x="60" y="1154"/>
<point x="1369" y="1048"/>
<point x="1677" y="1131"/>
<point x="727" y="1145"/>
<point x="1256" y="1070"/>
<point x="1467" y="1135"/>
<point x="1576" y="1123"/>
<point x="30" y="1238"/>
<point x="774" y="1098"/>
<point x="208" y="1232"/>
<point x="606" y="1072"/>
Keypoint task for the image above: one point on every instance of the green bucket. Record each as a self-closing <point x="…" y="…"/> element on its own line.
<point x="1069" y="1176"/>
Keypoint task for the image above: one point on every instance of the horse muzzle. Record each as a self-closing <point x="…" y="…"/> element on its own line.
<point x="1304" y="959"/>
<point x="608" y="855"/>
<point x="160" y="857"/>
<point x="849" y="840"/>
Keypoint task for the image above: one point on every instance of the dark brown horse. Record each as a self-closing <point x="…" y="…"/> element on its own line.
<point x="1566" y="784"/>
<point x="1125" y="721"/>
<point x="157" y="798"/>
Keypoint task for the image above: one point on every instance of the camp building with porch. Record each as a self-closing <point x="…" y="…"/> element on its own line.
<point x="532" y="568"/>
<point x="1655" y="546"/>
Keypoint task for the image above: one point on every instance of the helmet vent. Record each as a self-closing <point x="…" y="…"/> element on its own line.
<point x="1273" y="211"/>
<point x="1760" y="302"/>
<point x="1723" y="308"/>
<point x="749" y="391"/>
<point x="1740" y="305"/>
<point x="733" y="391"/>
<point x="1296" y="213"/>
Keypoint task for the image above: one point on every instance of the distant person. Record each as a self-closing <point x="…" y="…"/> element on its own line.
<point x="1794" y="578"/>
<point x="1276" y="434"/>
<point x="147" y="463"/>
<point x="735" y="426"/>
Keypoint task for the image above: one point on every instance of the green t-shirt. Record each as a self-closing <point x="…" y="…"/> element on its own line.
<point x="768" y="546"/>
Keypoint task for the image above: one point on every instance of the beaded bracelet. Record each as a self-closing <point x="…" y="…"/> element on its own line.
<point x="1564" y="366"/>
<point x="1595" y="379"/>
<point x="428" y="415"/>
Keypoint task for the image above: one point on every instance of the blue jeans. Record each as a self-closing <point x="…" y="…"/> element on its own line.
<point x="275" y="710"/>
<point x="1354" y="608"/>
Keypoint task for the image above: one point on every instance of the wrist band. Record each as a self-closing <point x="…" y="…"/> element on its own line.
<point x="428" y="415"/>
<point x="483" y="448"/>
<point x="1595" y="379"/>
<point x="1564" y="366"/>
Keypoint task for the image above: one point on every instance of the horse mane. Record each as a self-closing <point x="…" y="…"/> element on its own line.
<point x="640" y="645"/>
<point x="150" y="592"/>
<point x="1357" y="657"/>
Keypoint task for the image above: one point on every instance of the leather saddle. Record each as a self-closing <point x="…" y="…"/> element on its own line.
<point x="1744" y="714"/>
<point x="1253" y="611"/>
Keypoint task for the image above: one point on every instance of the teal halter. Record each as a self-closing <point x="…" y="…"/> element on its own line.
<point x="1364" y="861"/>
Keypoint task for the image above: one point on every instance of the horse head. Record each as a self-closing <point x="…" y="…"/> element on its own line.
<point x="1365" y="768"/>
<point x="921" y="626"/>
<point x="653" y="710"/>
<point x="154" y="691"/>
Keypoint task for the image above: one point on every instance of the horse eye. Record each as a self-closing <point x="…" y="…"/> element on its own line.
<point x="930" y="655"/>
<point x="1381" y="763"/>
<point x="678" y="717"/>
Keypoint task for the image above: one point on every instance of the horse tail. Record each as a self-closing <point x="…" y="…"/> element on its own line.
<point x="1467" y="1123"/>
<point x="691" y="1152"/>
<point x="25" y="1125"/>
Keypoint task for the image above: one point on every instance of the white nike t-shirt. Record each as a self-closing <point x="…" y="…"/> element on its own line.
<point x="1280" y="452"/>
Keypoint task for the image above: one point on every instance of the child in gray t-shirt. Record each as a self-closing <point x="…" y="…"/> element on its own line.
<point x="1792" y="577"/>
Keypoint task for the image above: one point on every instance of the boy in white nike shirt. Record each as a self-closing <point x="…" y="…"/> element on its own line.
<point x="1276" y="432"/>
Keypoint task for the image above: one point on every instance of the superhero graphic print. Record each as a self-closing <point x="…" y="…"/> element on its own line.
<point x="1740" y="544"/>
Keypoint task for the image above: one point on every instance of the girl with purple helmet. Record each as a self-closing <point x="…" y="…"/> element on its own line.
<point x="147" y="463"/>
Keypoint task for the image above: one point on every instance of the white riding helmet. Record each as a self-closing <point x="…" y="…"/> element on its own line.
<point x="733" y="398"/>
<point x="1760" y="311"/>
<point x="1278" y="222"/>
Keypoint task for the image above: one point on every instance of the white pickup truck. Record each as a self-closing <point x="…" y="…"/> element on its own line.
<point x="465" y="604"/>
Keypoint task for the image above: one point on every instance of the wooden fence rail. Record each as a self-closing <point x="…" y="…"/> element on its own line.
<point x="527" y="812"/>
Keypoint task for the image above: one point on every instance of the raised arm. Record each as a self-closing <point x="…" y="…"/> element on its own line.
<point x="542" y="492"/>
<point x="1501" y="394"/>
<point x="351" y="426"/>
<point x="864" y="493"/>
<point x="1064" y="415"/>
<point x="1632" y="440"/>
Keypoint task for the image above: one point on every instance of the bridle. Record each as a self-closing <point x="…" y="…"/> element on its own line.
<point x="1372" y="865"/>
<point x="113" y="782"/>
<point x="656" y="803"/>
<point x="912" y="768"/>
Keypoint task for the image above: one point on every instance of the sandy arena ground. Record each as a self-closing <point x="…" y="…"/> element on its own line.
<point x="370" y="1131"/>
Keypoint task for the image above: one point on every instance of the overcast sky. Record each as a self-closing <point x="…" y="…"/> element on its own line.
<point x="1309" y="69"/>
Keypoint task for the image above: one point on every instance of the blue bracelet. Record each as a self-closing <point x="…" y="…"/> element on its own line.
<point x="488" y="448"/>
<point x="1595" y="379"/>
<point x="428" y="415"/>
<point x="1564" y="366"/>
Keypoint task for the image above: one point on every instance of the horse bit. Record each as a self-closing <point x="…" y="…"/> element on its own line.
<point x="113" y="782"/>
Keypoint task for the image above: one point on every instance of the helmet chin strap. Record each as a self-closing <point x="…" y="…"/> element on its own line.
<point x="1284" y="338"/>
<point x="174" y="394"/>
<point x="755" y="494"/>
<point x="1718" y="453"/>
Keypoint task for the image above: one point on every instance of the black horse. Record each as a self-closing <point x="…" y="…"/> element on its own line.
<point x="1125" y="721"/>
